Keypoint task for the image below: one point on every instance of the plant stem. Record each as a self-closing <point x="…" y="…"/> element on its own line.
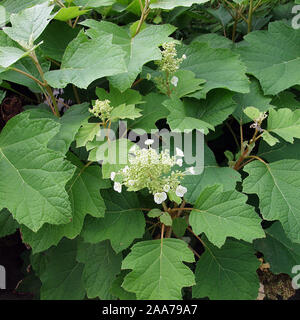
<point x="250" y="16"/>
<point x="27" y="75"/>
<point x="45" y="84"/>
<point x="144" y="14"/>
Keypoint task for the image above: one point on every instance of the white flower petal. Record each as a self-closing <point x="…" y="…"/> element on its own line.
<point x="112" y="176"/>
<point x="166" y="188"/>
<point x="179" y="162"/>
<point x="179" y="152"/>
<point x="160" y="197"/>
<point x="148" y="142"/>
<point x="174" y="81"/>
<point x="118" y="187"/>
<point x="184" y="56"/>
<point x="180" y="191"/>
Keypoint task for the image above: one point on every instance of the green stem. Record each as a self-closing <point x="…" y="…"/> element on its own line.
<point x="250" y="16"/>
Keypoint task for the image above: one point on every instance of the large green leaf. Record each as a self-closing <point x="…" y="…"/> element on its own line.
<point x="33" y="177"/>
<point x="228" y="273"/>
<point x="278" y="250"/>
<point x="212" y="174"/>
<point x="285" y="123"/>
<point x="62" y="275"/>
<point x="221" y="68"/>
<point x="86" y="60"/>
<point x="267" y="58"/>
<point x="123" y="221"/>
<point x="225" y="214"/>
<point x="139" y="50"/>
<point x="101" y="266"/>
<point x="84" y="192"/>
<point x="255" y="98"/>
<point x="282" y="150"/>
<point x="70" y="124"/>
<point x="158" y="272"/>
<point x="10" y="55"/>
<point x="152" y="110"/>
<point x="171" y="4"/>
<point x="56" y="38"/>
<point x="29" y="24"/>
<point x="277" y="186"/>
<point x="183" y="117"/>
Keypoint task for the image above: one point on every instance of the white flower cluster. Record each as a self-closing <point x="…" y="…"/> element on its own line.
<point x="101" y="109"/>
<point x="152" y="170"/>
<point x="169" y="61"/>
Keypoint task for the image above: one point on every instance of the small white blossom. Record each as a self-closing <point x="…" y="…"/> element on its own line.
<point x="180" y="191"/>
<point x="112" y="176"/>
<point x="160" y="197"/>
<point x="118" y="187"/>
<point x="174" y="81"/>
<point x="179" y="153"/>
<point x="131" y="182"/>
<point x="183" y="56"/>
<point x="166" y="188"/>
<point x="179" y="162"/>
<point x="148" y="142"/>
<point x="125" y="169"/>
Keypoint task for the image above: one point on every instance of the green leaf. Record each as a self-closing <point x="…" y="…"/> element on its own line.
<point x="86" y="60"/>
<point x="187" y="83"/>
<point x="65" y="14"/>
<point x="179" y="226"/>
<point x="171" y="4"/>
<point x="282" y="150"/>
<point x="166" y="219"/>
<point x="255" y="98"/>
<point x="152" y="110"/>
<point x="252" y="113"/>
<point x="7" y="224"/>
<point x="118" y="291"/>
<point x="269" y="138"/>
<point x="70" y="124"/>
<point x="101" y="266"/>
<point x="215" y="109"/>
<point x="286" y="99"/>
<point x="26" y="161"/>
<point x="10" y="55"/>
<point x="151" y="262"/>
<point x="211" y="175"/>
<point x="285" y="123"/>
<point x="154" y="213"/>
<point x="123" y="221"/>
<point x="214" y="40"/>
<point x="84" y="193"/>
<point x="228" y="273"/>
<point x="225" y="214"/>
<point x="116" y="97"/>
<point x="61" y="276"/>
<point x="183" y="118"/>
<point x="86" y="133"/>
<point x="29" y="24"/>
<point x="94" y="3"/>
<point x="125" y="112"/>
<point x="56" y="38"/>
<point x="141" y="49"/>
<point x="278" y="250"/>
<point x="268" y="60"/>
<point x="221" y="68"/>
<point x="277" y="185"/>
